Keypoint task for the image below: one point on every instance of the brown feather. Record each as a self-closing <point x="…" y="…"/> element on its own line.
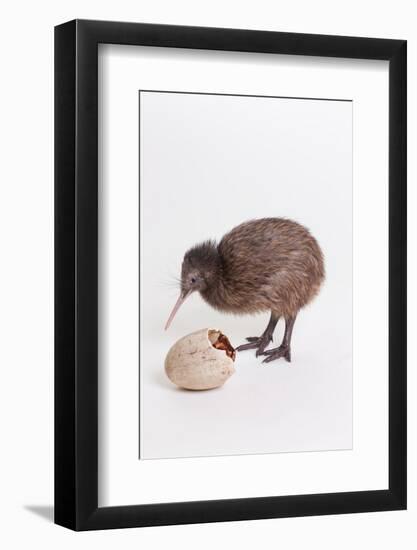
<point x="265" y="264"/>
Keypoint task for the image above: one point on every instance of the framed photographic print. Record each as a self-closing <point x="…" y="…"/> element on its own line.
<point x="230" y="252"/>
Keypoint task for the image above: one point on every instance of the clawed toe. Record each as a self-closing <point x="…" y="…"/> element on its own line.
<point x="277" y="353"/>
<point x="258" y="343"/>
<point x="261" y="348"/>
<point x="243" y="347"/>
<point x="269" y="351"/>
<point x="262" y="342"/>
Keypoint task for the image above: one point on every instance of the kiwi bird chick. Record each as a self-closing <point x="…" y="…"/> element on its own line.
<point x="270" y="264"/>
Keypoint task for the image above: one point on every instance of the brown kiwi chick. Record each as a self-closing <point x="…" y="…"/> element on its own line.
<point x="270" y="264"/>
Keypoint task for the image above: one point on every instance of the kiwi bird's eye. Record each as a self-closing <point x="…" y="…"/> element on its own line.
<point x="193" y="280"/>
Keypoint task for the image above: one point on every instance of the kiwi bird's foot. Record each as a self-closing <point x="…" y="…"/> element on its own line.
<point x="260" y="343"/>
<point x="277" y="353"/>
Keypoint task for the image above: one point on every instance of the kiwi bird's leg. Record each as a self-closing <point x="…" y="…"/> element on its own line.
<point x="284" y="350"/>
<point x="260" y="343"/>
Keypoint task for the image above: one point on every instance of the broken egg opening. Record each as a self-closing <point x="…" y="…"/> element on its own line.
<point x="220" y="341"/>
<point x="200" y="361"/>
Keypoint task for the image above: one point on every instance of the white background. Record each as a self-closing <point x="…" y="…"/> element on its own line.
<point x="27" y="270"/>
<point x="210" y="162"/>
<point x="124" y="70"/>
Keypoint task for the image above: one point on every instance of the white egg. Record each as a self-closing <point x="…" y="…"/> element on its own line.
<point x="202" y="360"/>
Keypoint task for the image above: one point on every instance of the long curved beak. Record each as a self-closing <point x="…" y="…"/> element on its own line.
<point x="183" y="296"/>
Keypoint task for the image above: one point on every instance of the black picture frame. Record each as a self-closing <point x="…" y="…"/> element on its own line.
<point x="76" y="272"/>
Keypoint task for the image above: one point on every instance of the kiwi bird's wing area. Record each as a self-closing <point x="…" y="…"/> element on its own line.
<point x="273" y="260"/>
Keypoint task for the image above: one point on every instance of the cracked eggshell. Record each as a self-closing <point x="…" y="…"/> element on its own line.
<point x="194" y="363"/>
